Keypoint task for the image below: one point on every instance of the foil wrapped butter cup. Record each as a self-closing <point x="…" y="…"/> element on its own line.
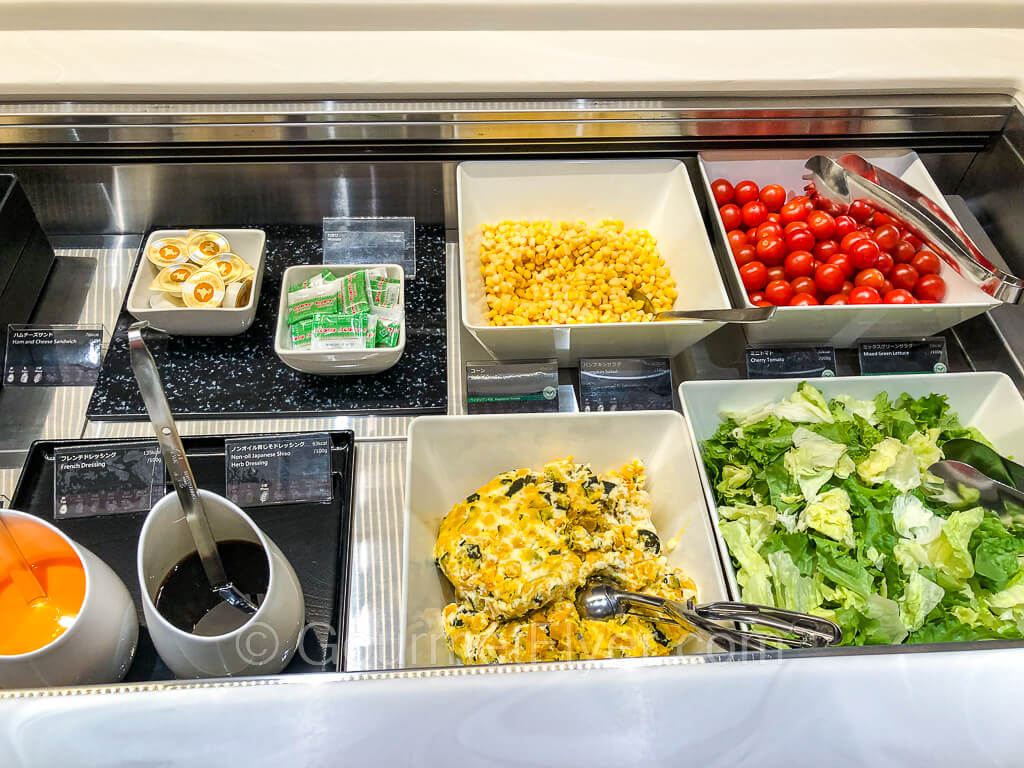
<point x="167" y="251"/>
<point x="171" y="279"/>
<point x="231" y="267"/>
<point x="204" y="289"/>
<point x="204" y="247"/>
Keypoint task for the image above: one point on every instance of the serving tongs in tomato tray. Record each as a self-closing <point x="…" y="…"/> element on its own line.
<point x="851" y="177"/>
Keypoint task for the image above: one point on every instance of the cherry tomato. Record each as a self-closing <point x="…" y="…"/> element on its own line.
<point x="879" y="219"/>
<point x="771" y="251"/>
<point x="914" y="240"/>
<point x="847" y="242"/>
<point x="745" y="192"/>
<point x="753" y="213"/>
<point x="837" y="298"/>
<point x="777" y="272"/>
<point x="860" y="210"/>
<point x="745" y="255"/>
<point x="930" y="287"/>
<point x="754" y="276"/>
<point x="769" y="229"/>
<point x="884" y="263"/>
<point x="800" y="239"/>
<point x="762" y="303"/>
<point x="806" y="201"/>
<point x="824" y="249"/>
<point x="903" y="252"/>
<point x="822" y="225"/>
<point x="793" y="226"/>
<point x="732" y="218"/>
<point x="773" y="216"/>
<point x="773" y="196"/>
<point x="927" y="301"/>
<point x="864" y="294"/>
<point x="844" y="226"/>
<point x="926" y="263"/>
<point x="778" y="292"/>
<point x="803" y="300"/>
<point x="799" y="264"/>
<point x="899" y="296"/>
<point x="842" y="261"/>
<point x="904" y="276"/>
<point x="847" y="287"/>
<point x="804" y="285"/>
<point x="737" y="239"/>
<point x="870" y="277"/>
<point x="887" y="236"/>
<point x="886" y="287"/>
<point x="723" y="191"/>
<point x="864" y="253"/>
<point x="829" y="278"/>
<point x="792" y="211"/>
<point x="756" y="296"/>
<point x="752" y="236"/>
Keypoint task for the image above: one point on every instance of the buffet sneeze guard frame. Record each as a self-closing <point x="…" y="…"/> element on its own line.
<point x="99" y="174"/>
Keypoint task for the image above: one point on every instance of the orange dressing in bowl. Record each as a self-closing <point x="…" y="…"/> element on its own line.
<point x="25" y="628"/>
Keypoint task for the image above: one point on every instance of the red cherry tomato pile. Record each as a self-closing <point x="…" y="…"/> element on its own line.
<point x="807" y="251"/>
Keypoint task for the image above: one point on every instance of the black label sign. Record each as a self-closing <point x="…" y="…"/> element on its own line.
<point x="52" y="356"/>
<point x="790" y="362"/>
<point x="278" y="469"/>
<point x="108" y="479"/>
<point x="878" y="358"/>
<point x="521" y="387"/>
<point x="625" y="384"/>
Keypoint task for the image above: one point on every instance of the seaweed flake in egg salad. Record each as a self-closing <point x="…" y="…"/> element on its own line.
<point x="518" y="548"/>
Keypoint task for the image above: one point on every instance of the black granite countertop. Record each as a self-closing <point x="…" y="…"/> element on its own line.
<point x="235" y="376"/>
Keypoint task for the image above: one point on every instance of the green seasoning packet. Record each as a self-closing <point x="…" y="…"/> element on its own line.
<point x="339" y="331"/>
<point x="385" y="296"/>
<point x="316" y="281"/>
<point x="354" y="295"/>
<point x="371" y="331"/>
<point x="304" y="304"/>
<point x="302" y="333"/>
<point x="388" y="332"/>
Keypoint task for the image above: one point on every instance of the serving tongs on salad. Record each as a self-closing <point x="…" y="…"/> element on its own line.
<point x="600" y="599"/>
<point x="851" y="177"/>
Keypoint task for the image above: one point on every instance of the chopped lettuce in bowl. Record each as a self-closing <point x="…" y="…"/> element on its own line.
<point x="827" y="507"/>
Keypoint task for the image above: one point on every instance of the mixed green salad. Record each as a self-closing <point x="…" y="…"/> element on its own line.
<point x="828" y="507"/>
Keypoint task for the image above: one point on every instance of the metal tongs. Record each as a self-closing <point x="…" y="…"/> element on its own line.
<point x="851" y="177"/>
<point x="603" y="600"/>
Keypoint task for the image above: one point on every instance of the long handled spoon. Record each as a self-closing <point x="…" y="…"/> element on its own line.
<point x="24" y="580"/>
<point x="744" y="315"/>
<point x="181" y="472"/>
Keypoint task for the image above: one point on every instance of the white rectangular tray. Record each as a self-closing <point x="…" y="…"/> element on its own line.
<point x="449" y="457"/>
<point x="846" y="324"/>
<point x="988" y="401"/>
<point x="655" y="195"/>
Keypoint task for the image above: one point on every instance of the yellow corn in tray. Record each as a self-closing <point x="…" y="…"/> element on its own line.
<point x="517" y="550"/>
<point x="540" y="273"/>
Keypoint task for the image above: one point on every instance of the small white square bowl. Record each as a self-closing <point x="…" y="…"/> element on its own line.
<point x="334" y="362"/>
<point x="986" y="400"/>
<point x="655" y="195"/>
<point x="845" y="324"/>
<point x="449" y="457"/>
<point x="248" y="244"/>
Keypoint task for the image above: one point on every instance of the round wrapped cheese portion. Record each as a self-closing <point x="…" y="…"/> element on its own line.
<point x="167" y="251"/>
<point x="204" y="247"/>
<point x="171" y="279"/>
<point x="204" y="289"/>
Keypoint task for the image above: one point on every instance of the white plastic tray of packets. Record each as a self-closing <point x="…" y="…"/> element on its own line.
<point x="341" y="319"/>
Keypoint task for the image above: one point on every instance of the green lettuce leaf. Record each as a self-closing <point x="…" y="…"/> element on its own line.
<point x="814" y="459"/>
<point x="919" y="598"/>
<point x="829" y="514"/>
<point x="948" y="552"/>
<point x="893" y="462"/>
<point x="884" y="625"/>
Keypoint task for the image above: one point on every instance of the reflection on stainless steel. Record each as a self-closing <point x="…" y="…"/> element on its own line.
<point x="992" y="492"/>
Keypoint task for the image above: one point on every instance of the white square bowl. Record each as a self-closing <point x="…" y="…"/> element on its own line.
<point x="655" y="195"/>
<point x="334" y="362"/>
<point x="845" y="324"/>
<point x="986" y="400"/>
<point x="449" y="457"/>
<point x="248" y="244"/>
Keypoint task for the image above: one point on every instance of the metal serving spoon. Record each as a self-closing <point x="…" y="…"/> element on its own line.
<point x="745" y="315"/>
<point x="599" y="599"/>
<point x="992" y="492"/>
<point x="181" y="471"/>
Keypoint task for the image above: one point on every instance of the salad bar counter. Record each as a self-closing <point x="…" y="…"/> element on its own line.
<point x="750" y="373"/>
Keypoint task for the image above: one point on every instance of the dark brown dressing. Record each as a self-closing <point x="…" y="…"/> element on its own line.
<point x="185" y="597"/>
